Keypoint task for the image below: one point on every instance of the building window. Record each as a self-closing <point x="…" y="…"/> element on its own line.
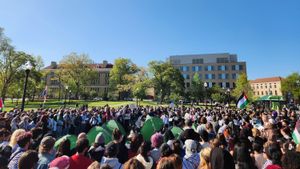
<point x="209" y="76"/>
<point x="197" y="61"/>
<point x="221" y="84"/>
<point x="227" y="85"/>
<point x="276" y="92"/>
<point x="275" y="85"/>
<point x="186" y="76"/>
<point x="241" y="67"/>
<point x="200" y="76"/>
<point x="233" y="76"/>
<point x="222" y="60"/>
<point x="234" y="85"/>
<point x="222" y="67"/>
<point x="196" y="68"/>
<point x="262" y="92"/>
<point x="209" y="68"/>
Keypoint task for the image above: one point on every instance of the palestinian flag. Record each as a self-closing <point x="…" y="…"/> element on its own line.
<point x="242" y="101"/>
<point x="296" y="133"/>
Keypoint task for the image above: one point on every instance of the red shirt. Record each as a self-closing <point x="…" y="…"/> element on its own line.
<point x="79" y="162"/>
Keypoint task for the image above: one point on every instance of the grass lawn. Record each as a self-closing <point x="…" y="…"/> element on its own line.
<point x="57" y="104"/>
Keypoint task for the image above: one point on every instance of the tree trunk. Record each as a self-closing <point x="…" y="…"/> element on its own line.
<point x="3" y="92"/>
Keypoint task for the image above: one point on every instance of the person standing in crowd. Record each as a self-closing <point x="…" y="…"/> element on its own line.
<point x="79" y="160"/>
<point x="122" y="149"/>
<point x="46" y="152"/>
<point x="110" y="156"/>
<point x="273" y="156"/>
<point x="205" y="158"/>
<point x="143" y="155"/>
<point x="23" y="142"/>
<point x="97" y="150"/>
<point x="191" y="159"/>
<point x="62" y="162"/>
<point x="13" y="139"/>
<point x="156" y="141"/>
<point x="133" y="164"/>
<point x="28" y="160"/>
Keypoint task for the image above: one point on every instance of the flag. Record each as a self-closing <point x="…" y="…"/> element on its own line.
<point x="1" y="104"/>
<point x="242" y="101"/>
<point x="296" y="133"/>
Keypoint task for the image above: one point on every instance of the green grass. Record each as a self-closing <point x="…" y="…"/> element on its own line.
<point x="52" y="103"/>
<point x="57" y="104"/>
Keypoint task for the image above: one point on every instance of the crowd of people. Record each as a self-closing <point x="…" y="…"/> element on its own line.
<point x="212" y="138"/>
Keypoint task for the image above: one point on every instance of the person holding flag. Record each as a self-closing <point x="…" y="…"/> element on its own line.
<point x="242" y="101"/>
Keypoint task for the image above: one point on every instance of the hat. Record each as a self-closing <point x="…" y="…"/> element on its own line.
<point x="111" y="149"/>
<point x="100" y="138"/>
<point x="60" y="163"/>
<point x="156" y="140"/>
<point x="190" y="147"/>
<point x="48" y="142"/>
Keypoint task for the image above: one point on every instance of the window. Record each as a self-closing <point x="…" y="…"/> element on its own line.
<point x="262" y="92"/>
<point x="185" y="68"/>
<point x="276" y="93"/>
<point x="234" y="85"/>
<point x="233" y="76"/>
<point x="221" y="84"/>
<point x="241" y="67"/>
<point x="200" y="76"/>
<point x="275" y="85"/>
<point x="209" y="76"/>
<point x="197" y="61"/>
<point x="186" y="76"/>
<point x="196" y="68"/>
<point x="209" y="68"/>
<point x="175" y="61"/>
<point x="227" y="85"/>
<point x="222" y="67"/>
<point x="222" y="60"/>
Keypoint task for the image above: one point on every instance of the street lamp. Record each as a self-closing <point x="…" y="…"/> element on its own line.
<point x="27" y="68"/>
<point x="67" y="87"/>
<point x="69" y="95"/>
<point x="205" y="97"/>
<point x="228" y="95"/>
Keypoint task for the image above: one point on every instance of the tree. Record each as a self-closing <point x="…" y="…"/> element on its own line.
<point x="197" y="88"/>
<point x="291" y="84"/>
<point x="243" y="85"/>
<point x="142" y="83"/>
<point x="167" y="80"/>
<point x="77" y="70"/>
<point x="121" y="78"/>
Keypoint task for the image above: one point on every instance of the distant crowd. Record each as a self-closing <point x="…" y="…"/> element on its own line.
<point x="213" y="138"/>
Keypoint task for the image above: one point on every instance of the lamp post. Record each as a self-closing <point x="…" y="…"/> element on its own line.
<point x="228" y="95"/>
<point x="205" y="96"/>
<point x="66" y="87"/>
<point x="69" y="95"/>
<point x="27" y="68"/>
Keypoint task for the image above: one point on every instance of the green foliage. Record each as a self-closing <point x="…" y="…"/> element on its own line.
<point x="218" y="97"/>
<point x="243" y="85"/>
<point x="122" y="78"/>
<point x="197" y="88"/>
<point x="291" y="84"/>
<point x="167" y="80"/>
<point x="77" y="71"/>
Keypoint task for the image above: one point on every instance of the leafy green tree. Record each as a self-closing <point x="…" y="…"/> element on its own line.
<point x="167" y="80"/>
<point x="77" y="69"/>
<point x="122" y="78"/>
<point x="142" y="83"/>
<point x="218" y="97"/>
<point x="197" y="88"/>
<point x="291" y="84"/>
<point x="243" y="85"/>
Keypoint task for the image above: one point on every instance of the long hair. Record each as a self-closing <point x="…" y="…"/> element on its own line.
<point x="14" y="136"/>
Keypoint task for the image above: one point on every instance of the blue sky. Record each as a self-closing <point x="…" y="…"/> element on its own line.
<point x="264" y="33"/>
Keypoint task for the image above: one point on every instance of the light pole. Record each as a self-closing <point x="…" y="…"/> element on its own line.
<point x="27" y="68"/>
<point x="69" y="95"/>
<point x="298" y="86"/>
<point x="66" y="87"/>
<point x="205" y="96"/>
<point x="18" y="95"/>
<point x="228" y="95"/>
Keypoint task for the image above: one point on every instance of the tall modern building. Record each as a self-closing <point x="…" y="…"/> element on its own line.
<point x="215" y="69"/>
<point x="99" y="85"/>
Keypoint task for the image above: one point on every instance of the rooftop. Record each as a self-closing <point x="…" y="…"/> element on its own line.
<point x="268" y="79"/>
<point x="105" y="64"/>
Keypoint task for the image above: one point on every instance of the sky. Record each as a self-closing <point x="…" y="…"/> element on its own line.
<point x="264" y="33"/>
